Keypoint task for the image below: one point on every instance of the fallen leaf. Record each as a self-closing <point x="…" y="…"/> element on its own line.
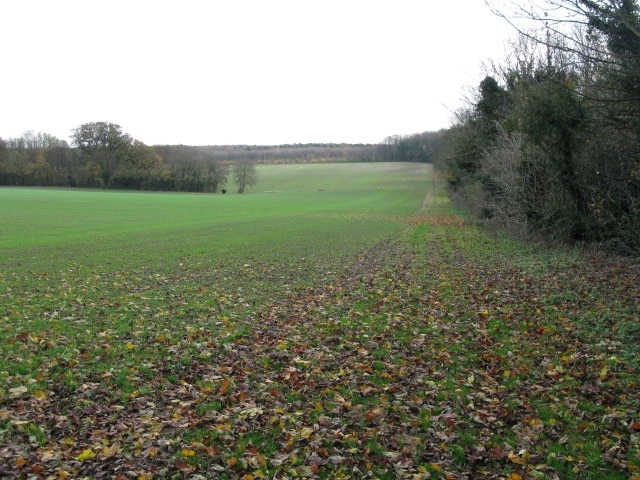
<point x="187" y="452"/>
<point x="306" y="432"/>
<point x="86" y="455"/>
<point x="40" y="395"/>
<point x="17" y="391"/>
<point x="110" y="452"/>
<point x="516" y="459"/>
<point x="184" y="467"/>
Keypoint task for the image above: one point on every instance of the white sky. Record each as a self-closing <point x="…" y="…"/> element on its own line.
<point x="211" y="72"/>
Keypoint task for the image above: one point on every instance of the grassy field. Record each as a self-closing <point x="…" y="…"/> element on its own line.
<point x="339" y="321"/>
<point x="311" y="209"/>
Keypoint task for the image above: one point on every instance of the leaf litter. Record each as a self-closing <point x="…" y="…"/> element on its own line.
<point x="419" y="358"/>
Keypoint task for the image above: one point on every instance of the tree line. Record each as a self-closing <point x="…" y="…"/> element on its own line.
<point x="102" y="155"/>
<point x="550" y="144"/>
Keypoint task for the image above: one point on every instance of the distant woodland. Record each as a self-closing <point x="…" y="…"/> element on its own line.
<point x="101" y="155"/>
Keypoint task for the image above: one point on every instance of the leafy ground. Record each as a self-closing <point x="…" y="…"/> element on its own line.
<point x="437" y="352"/>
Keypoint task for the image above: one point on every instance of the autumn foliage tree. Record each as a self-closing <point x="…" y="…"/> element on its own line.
<point x="34" y="159"/>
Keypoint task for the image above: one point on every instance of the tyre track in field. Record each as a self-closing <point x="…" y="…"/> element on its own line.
<point x="428" y="201"/>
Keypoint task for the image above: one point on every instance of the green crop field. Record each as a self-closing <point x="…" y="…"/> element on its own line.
<point x="336" y="322"/>
<point x="294" y="210"/>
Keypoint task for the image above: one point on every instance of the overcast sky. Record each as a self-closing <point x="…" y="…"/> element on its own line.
<point x="205" y="72"/>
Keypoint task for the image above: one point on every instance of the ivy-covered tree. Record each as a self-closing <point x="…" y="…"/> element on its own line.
<point x="493" y="102"/>
<point x="553" y="118"/>
<point x="618" y="21"/>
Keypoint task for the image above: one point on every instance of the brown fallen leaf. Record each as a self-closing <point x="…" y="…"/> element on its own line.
<point x="497" y="452"/>
<point x="110" y="452"/>
<point x="184" y="467"/>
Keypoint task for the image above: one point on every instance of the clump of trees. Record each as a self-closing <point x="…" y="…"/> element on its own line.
<point x="419" y="147"/>
<point x="35" y="159"/>
<point x="193" y="169"/>
<point x="551" y="142"/>
<point x="111" y="158"/>
<point x="103" y="156"/>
